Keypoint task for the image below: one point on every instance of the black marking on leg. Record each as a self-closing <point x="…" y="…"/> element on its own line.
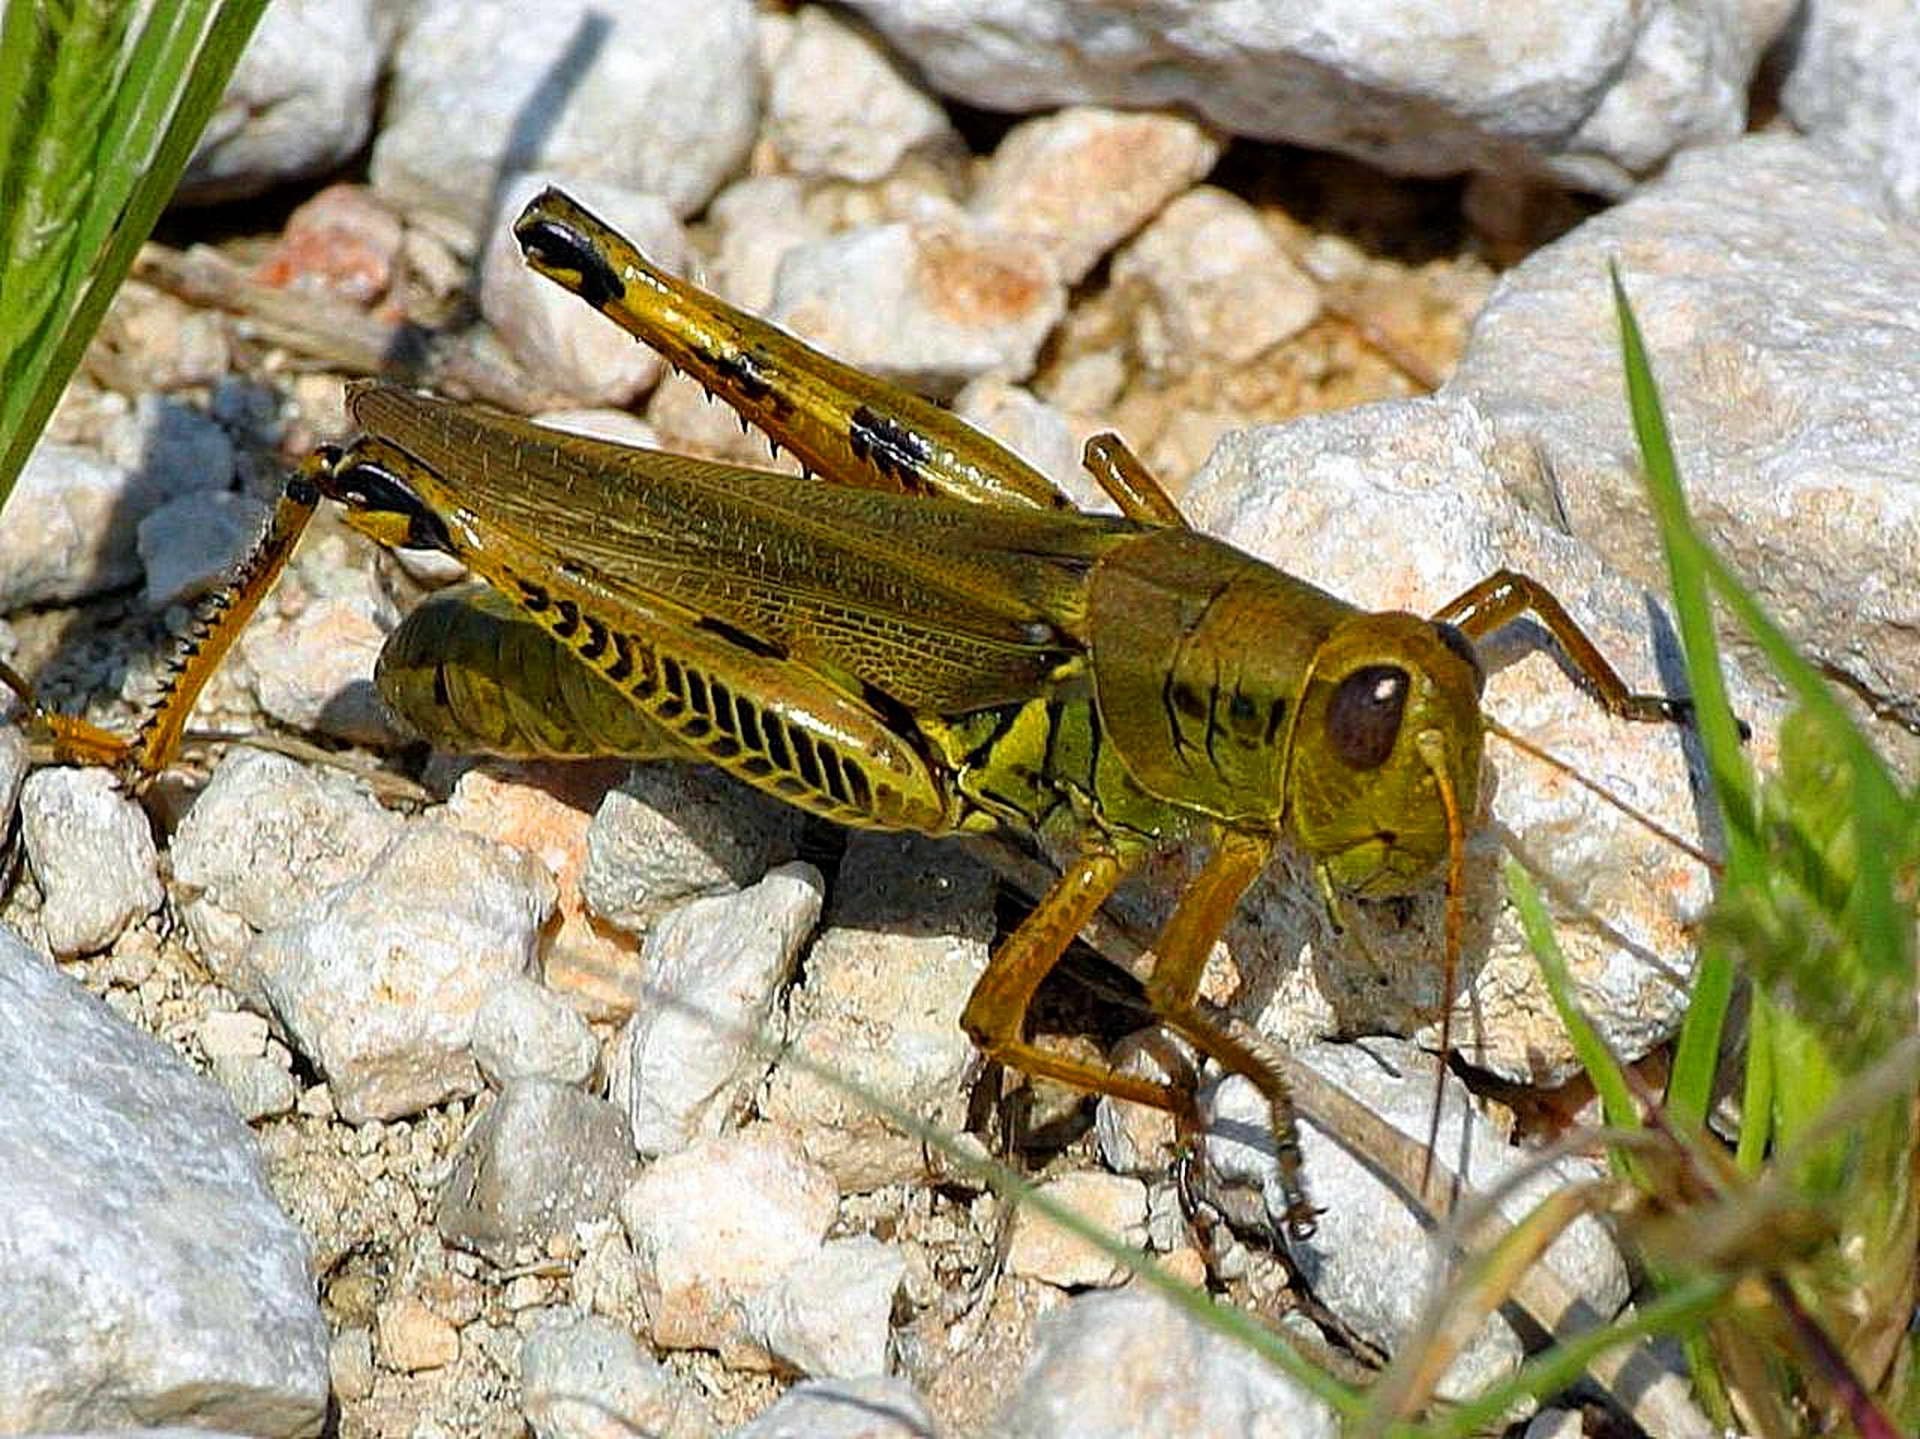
<point x="889" y="447"/>
<point x="741" y="370"/>
<point x="859" y="788"/>
<point x="806" y="762"/>
<point x="723" y="714"/>
<point x="776" y="745"/>
<point x="748" y="719"/>
<point x="622" y="665"/>
<point x="555" y="245"/>
<point x="831" y="778"/>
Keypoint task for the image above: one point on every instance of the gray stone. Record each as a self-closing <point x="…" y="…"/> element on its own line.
<point x="650" y="97"/>
<point x="870" y="1408"/>
<point x="149" y="1274"/>
<point x="174" y="448"/>
<point x="1114" y="1204"/>
<point x="718" y="1223"/>
<point x="1370" y="1260"/>
<point x="673" y="831"/>
<point x="1216" y="284"/>
<point x="73" y="516"/>
<point x="1036" y="432"/>
<point x="350" y="1358"/>
<point x="582" y="1378"/>
<point x="15" y="760"/>
<point x="714" y="967"/>
<point x="926" y="303"/>
<point x="188" y="545"/>
<point x="1555" y="1424"/>
<point x="543" y="1158"/>
<point x="829" y="1315"/>
<point x="839" y="105"/>
<point x="1315" y="499"/>
<point x="1771" y="285"/>
<point x="525" y="1031"/>
<point x="1083" y="180"/>
<point x="570" y="345"/>
<point x="907" y="935"/>
<point x="378" y="980"/>
<point x="311" y="654"/>
<point x="266" y="837"/>
<point x="300" y="101"/>
<point x="1852" y="68"/>
<point x="1128" y="1365"/>
<point x="92" y="854"/>
<point x="259" y="1086"/>
<point x="755" y="222"/>
<point x="1593" y="95"/>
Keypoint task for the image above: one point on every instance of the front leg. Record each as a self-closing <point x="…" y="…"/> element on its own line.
<point x="1506" y="595"/>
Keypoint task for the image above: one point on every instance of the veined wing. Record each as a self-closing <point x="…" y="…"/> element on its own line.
<point x="945" y="606"/>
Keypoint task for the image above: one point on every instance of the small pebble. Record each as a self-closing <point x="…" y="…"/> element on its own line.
<point x="875" y="1407"/>
<point x="379" y="985"/>
<point x="1038" y="1248"/>
<point x="92" y="852"/>
<point x="929" y="304"/>
<point x="523" y="1030"/>
<point x="411" y="1337"/>
<point x="258" y="1087"/>
<point x="232" y="1033"/>
<point x="716" y="1224"/>
<point x="840" y="105"/>
<point x="586" y="1378"/>
<point x="715" y="965"/>
<point x="543" y="1158"/>
<point x="1083" y="179"/>
<point x="1126" y="1364"/>
<point x="350" y="1358"/>
<point x="828" y="1316"/>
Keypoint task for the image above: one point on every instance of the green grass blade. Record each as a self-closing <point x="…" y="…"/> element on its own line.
<point x="26" y="63"/>
<point x="180" y="65"/>
<point x="1675" y="1313"/>
<point x="1697" y="1054"/>
<point x="1589" y="1047"/>
<point x="44" y="259"/>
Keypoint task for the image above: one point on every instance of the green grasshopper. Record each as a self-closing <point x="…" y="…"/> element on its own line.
<point x="935" y="641"/>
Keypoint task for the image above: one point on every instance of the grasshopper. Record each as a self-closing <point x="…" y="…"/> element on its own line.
<point x="936" y="641"/>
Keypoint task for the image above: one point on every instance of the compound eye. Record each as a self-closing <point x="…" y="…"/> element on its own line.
<point x="1363" y="718"/>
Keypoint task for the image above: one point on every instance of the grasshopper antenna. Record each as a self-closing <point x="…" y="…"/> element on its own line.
<point x="1600" y="792"/>
<point x="1433" y="751"/>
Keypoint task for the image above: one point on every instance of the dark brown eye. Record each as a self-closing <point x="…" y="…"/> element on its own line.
<point x="1363" y="718"/>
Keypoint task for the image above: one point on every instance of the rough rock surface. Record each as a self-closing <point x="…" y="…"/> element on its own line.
<point x="1771" y="284"/>
<point x="1595" y="95"/>
<point x="647" y="98"/>
<point x="149" y="1274"/>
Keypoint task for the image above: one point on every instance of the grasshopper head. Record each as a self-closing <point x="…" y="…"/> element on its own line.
<point x="1384" y="769"/>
